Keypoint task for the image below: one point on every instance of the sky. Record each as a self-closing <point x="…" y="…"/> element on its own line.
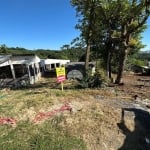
<point x="41" y="24"/>
<point x="146" y="36"/>
<point x="35" y="24"/>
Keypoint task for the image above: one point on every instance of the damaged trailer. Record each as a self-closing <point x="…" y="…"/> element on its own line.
<point x="19" y="70"/>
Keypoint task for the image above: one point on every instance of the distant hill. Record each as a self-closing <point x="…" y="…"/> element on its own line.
<point x="71" y="54"/>
<point x="147" y="51"/>
<point x="143" y="55"/>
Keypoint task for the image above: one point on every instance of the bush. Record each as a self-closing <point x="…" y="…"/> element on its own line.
<point x="97" y="80"/>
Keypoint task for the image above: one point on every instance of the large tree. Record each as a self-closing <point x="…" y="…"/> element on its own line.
<point x="3" y="49"/>
<point x="86" y="12"/>
<point x="132" y="19"/>
<point x="120" y="21"/>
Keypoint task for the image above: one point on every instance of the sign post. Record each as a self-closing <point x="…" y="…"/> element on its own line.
<point x="61" y="75"/>
<point x="62" y="86"/>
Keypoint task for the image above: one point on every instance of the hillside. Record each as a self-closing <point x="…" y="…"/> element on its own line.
<point x="73" y="54"/>
<point x="44" y="117"/>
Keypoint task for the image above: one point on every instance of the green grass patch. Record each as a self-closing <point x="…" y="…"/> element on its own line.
<point x="46" y="136"/>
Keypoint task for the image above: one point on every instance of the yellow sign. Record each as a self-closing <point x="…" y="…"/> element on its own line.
<point x="61" y="75"/>
<point x="60" y="71"/>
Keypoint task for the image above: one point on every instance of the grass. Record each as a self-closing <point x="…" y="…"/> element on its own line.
<point x="91" y="125"/>
<point x="23" y="104"/>
<point x="34" y="137"/>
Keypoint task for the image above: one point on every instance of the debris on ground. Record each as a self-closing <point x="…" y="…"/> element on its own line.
<point x="45" y="115"/>
<point x="97" y="115"/>
<point x="8" y="121"/>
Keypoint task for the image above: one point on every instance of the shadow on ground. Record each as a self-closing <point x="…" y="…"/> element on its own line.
<point x="139" y="139"/>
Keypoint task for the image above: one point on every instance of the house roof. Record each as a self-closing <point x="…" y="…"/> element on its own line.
<point x="25" y="59"/>
<point x="4" y="58"/>
<point x="24" y="55"/>
<point x="19" y="59"/>
<point x="51" y="61"/>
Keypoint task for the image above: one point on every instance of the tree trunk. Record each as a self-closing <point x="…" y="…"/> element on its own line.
<point x="110" y="71"/>
<point x="122" y="60"/>
<point x="90" y="32"/>
<point x="109" y="64"/>
<point x="87" y="55"/>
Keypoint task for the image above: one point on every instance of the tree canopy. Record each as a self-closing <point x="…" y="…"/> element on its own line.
<point x="112" y="29"/>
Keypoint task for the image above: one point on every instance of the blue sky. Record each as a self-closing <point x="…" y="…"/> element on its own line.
<point x="33" y="24"/>
<point x="46" y="24"/>
<point x="146" y="36"/>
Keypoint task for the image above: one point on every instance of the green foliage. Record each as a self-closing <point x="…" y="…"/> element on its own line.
<point x="138" y="59"/>
<point x="132" y="60"/>
<point x="99" y="79"/>
<point x="143" y="55"/>
<point x="73" y="53"/>
<point x="3" y="49"/>
<point x="115" y="28"/>
<point x="138" y="62"/>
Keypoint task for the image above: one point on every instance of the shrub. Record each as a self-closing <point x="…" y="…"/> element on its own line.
<point x="97" y="80"/>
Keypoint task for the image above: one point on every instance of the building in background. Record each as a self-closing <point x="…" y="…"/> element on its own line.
<point x="17" y="68"/>
<point x="48" y="66"/>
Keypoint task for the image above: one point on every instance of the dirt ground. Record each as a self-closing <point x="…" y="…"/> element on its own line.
<point x="130" y="118"/>
<point x="110" y="118"/>
<point x="115" y="118"/>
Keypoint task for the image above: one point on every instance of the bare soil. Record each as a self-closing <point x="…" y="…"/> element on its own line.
<point x="114" y="118"/>
<point x="134" y="102"/>
<point x="111" y="118"/>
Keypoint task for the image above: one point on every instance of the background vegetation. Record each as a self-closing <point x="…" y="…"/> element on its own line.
<point x="111" y="31"/>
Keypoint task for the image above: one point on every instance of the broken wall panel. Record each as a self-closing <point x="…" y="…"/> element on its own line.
<point x="20" y="70"/>
<point x="5" y="72"/>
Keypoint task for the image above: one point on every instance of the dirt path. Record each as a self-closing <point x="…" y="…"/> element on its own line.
<point x="133" y="98"/>
<point x="127" y="110"/>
